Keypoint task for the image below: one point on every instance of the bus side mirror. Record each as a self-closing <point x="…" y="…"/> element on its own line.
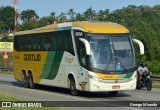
<point x="87" y="45"/>
<point x="141" y="46"/>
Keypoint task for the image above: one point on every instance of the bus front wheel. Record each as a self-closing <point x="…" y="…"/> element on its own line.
<point x="73" y="90"/>
<point x="30" y="80"/>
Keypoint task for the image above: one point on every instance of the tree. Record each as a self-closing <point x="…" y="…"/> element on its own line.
<point x="46" y="20"/>
<point x="53" y="14"/>
<point x="131" y="6"/>
<point x="28" y="25"/>
<point x="106" y="14"/>
<point x="90" y="14"/>
<point x="80" y="17"/>
<point x="103" y="15"/>
<point x="28" y="15"/>
<point x="71" y="14"/>
<point x="6" y="19"/>
<point x="62" y="17"/>
<point x="6" y="38"/>
<point x="100" y="15"/>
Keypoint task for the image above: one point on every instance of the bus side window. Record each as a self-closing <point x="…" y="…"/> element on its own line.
<point x="53" y="41"/>
<point x="83" y="56"/>
<point x="38" y="42"/>
<point x="47" y="41"/>
<point x="30" y="43"/>
<point x="34" y="43"/>
<point x="67" y="42"/>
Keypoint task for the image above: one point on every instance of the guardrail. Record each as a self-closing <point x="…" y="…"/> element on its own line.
<point x="6" y="69"/>
<point x="155" y="78"/>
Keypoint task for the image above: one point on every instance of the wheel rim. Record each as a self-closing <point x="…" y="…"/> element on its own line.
<point x="149" y="85"/>
<point x="31" y="83"/>
<point x="24" y="80"/>
<point x="73" y="90"/>
<point x="73" y="85"/>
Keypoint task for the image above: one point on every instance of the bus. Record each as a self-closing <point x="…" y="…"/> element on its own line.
<point x="80" y="56"/>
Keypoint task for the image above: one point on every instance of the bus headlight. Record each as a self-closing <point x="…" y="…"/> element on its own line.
<point x="95" y="78"/>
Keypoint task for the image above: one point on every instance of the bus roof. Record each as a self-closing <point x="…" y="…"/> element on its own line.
<point x="90" y="27"/>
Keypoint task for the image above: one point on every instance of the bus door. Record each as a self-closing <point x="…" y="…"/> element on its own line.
<point x="83" y="58"/>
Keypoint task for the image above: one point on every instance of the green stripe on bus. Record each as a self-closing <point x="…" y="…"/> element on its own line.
<point x="128" y="75"/>
<point x="52" y="65"/>
<point x="55" y="65"/>
<point x="121" y="75"/>
<point x="48" y="65"/>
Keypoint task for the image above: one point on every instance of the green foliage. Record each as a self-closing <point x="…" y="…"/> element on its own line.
<point x="154" y="67"/>
<point x="6" y="19"/>
<point x="71" y="14"/>
<point x="46" y="20"/>
<point x="103" y="15"/>
<point x="156" y="84"/>
<point x="90" y="14"/>
<point x="80" y="17"/>
<point x="28" y="15"/>
<point x="62" y="17"/>
<point x="28" y="25"/>
<point x="6" y="38"/>
<point x="7" y="97"/>
<point x="144" y="24"/>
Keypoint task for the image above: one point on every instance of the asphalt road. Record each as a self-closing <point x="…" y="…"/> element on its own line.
<point x="47" y="93"/>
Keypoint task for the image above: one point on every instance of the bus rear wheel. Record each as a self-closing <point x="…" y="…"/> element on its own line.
<point x="30" y="80"/>
<point x="25" y="80"/>
<point x="73" y="90"/>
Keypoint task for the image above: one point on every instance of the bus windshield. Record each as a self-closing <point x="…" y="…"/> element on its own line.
<point x="111" y="52"/>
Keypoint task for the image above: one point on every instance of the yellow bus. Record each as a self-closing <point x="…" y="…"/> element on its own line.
<point x="80" y="56"/>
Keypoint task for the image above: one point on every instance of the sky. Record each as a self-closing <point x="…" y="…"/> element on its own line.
<point x="45" y="7"/>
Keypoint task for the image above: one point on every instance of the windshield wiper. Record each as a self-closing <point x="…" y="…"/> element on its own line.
<point x="117" y="59"/>
<point x="108" y="62"/>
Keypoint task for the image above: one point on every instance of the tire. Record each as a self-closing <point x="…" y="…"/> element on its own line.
<point x="149" y="85"/>
<point x="73" y="90"/>
<point x="30" y="80"/>
<point x="138" y="85"/>
<point x="25" y="81"/>
<point x="113" y="93"/>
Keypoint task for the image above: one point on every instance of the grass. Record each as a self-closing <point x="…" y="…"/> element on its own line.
<point x="7" y="97"/>
<point x="156" y="84"/>
<point x="6" y="72"/>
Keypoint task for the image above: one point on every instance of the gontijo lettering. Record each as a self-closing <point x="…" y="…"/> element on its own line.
<point x="32" y="57"/>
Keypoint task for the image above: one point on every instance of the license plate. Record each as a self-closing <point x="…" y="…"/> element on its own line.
<point x="116" y="87"/>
